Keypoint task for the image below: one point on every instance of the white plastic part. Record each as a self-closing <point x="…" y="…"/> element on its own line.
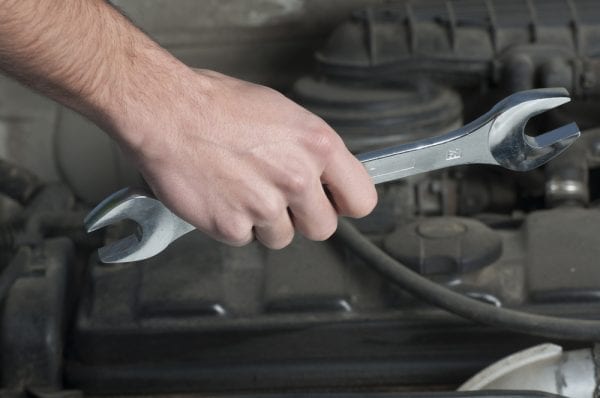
<point x="543" y="368"/>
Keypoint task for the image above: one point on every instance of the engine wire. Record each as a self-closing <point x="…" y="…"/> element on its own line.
<point x="518" y="321"/>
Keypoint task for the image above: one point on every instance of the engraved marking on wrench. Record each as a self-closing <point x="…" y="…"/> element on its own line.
<point x="454" y="154"/>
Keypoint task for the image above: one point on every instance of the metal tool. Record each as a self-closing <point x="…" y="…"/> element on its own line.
<point x="497" y="138"/>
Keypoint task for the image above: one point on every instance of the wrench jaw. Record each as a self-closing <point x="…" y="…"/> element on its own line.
<point x="146" y="242"/>
<point x="511" y="147"/>
<point x="129" y="204"/>
<point x="123" y="250"/>
<point x="135" y="247"/>
<point x="545" y="147"/>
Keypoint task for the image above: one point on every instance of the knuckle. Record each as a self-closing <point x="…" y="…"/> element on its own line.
<point x="297" y="182"/>
<point x="323" y="141"/>
<point x="269" y="209"/>
<point x="320" y="139"/>
<point x="234" y="230"/>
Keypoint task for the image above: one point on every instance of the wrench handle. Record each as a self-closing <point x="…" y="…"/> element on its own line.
<point x="455" y="148"/>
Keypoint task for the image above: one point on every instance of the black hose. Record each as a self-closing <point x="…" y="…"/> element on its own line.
<point x="518" y="321"/>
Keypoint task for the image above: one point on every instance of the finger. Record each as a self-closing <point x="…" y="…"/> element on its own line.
<point x="350" y="186"/>
<point x="233" y="230"/>
<point x="313" y="214"/>
<point x="277" y="234"/>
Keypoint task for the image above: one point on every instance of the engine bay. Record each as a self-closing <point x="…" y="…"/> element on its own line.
<point x="203" y="318"/>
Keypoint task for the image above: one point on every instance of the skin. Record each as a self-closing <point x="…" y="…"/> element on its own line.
<point x="235" y="159"/>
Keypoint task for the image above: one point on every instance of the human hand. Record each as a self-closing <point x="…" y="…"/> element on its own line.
<point x="239" y="160"/>
<point x="234" y="159"/>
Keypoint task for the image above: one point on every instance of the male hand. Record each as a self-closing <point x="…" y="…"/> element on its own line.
<point x="234" y="159"/>
<point x="238" y="161"/>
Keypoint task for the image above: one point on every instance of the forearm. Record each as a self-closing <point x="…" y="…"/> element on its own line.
<point x="231" y="157"/>
<point x="84" y="54"/>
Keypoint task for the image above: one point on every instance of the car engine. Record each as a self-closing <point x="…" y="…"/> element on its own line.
<point x="320" y="319"/>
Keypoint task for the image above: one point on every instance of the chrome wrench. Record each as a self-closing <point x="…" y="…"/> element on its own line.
<point x="496" y="138"/>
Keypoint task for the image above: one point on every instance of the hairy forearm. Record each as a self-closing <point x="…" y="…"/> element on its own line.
<point x="61" y="48"/>
<point x="84" y="54"/>
<point x="233" y="158"/>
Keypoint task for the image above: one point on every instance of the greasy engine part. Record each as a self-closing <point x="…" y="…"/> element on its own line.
<point x="51" y="212"/>
<point x="515" y="44"/>
<point x="552" y="327"/>
<point x="444" y="245"/>
<point x="17" y="183"/>
<point x="34" y="315"/>
<point x="204" y="318"/>
<point x="370" y="115"/>
<point x="38" y="283"/>
<point x="567" y="178"/>
<point x="213" y="318"/>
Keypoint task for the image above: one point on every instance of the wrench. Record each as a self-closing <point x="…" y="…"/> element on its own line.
<point x="496" y="138"/>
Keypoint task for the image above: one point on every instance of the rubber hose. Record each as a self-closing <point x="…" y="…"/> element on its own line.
<point x="440" y="296"/>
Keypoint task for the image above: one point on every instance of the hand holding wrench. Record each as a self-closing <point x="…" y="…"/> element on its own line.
<point x="496" y="138"/>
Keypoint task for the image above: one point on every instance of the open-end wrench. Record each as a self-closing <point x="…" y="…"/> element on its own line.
<point x="497" y="138"/>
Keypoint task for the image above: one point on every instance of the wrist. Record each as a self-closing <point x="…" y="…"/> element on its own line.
<point x="130" y="83"/>
<point x="145" y="87"/>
